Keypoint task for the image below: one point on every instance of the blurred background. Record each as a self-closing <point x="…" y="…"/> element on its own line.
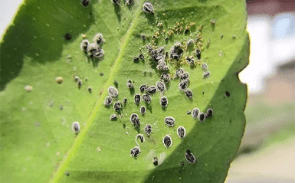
<point x="267" y="152"/>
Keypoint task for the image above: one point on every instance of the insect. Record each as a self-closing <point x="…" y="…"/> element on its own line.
<point x="148" y="129"/>
<point x="142" y="110"/>
<point x="115" y="83"/>
<point x="135" y="120"/>
<point x="98" y="53"/>
<point x="198" y="53"/>
<point x="108" y="101"/>
<point x="185" y="75"/>
<point x="155" y="161"/>
<point x="160" y="86"/>
<point x="124" y="100"/>
<point x="190" y="157"/>
<point x="141" y="56"/>
<point x="167" y="141"/>
<point x="117" y="106"/>
<point x="115" y="2"/>
<point x="101" y="74"/>
<point x="190" y="42"/>
<point x="181" y="132"/>
<point x="201" y="116"/>
<point x="209" y="113"/>
<point x="195" y="113"/>
<point x="130" y="84"/>
<point x="79" y="83"/>
<point x="89" y="89"/>
<point x="170" y="121"/>
<point x="135" y="151"/>
<point x="136" y="59"/>
<point x="84" y="45"/>
<point x="113" y="117"/>
<point x="98" y="39"/>
<point x="129" y="2"/>
<point x="68" y="36"/>
<point x="206" y="74"/>
<point x="148" y="8"/>
<point x="141" y="137"/>
<point x="151" y="90"/>
<point x="176" y="51"/>
<point x="190" y="61"/>
<point x="76" y="78"/>
<point x="188" y="112"/>
<point x="85" y="2"/>
<point x="75" y="127"/>
<point x="137" y="99"/>
<point x="188" y="93"/>
<point x="183" y="84"/>
<point x="204" y="66"/>
<point x="59" y="80"/>
<point x="143" y="88"/>
<point x="146" y="98"/>
<point x="113" y="92"/>
<point x="163" y="101"/>
<point x="179" y="72"/>
<point x="165" y="77"/>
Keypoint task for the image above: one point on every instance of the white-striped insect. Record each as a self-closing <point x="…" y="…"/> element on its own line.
<point x="113" y="92"/>
<point x="190" y="157"/>
<point x="170" y="121"/>
<point x="181" y="132"/>
<point x="75" y="127"/>
<point x="167" y="141"/>
<point x="148" y="8"/>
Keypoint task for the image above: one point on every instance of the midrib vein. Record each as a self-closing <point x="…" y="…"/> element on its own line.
<point x="71" y="152"/>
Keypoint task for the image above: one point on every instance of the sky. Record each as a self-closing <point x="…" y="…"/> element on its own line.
<point x="272" y="43"/>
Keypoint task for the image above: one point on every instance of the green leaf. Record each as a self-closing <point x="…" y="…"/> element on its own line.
<point x="37" y="143"/>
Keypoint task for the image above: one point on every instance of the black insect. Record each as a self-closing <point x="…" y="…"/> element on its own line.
<point x="141" y="56"/>
<point x="79" y="83"/>
<point x="143" y="88"/>
<point x="204" y="66"/>
<point x="68" y="36"/>
<point x="155" y="161"/>
<point x="165" y="77"/>
<point x="167" y="141"/>
<point x="115" y="2"/>
<point x="124" y="101"/>
<point x="227" y="94"/>
<point x="190" y="157"/>
<point x="148" y="8"/>
<point x="190" y="42"/>
<point x="85" y="2"/>
<point x="130" y="84"/>
<point x="108" y="101"/>
<point x="163" y="101"/>
<point x="160" y="86"/>
<point x="142" y="109"/>
<point x="206" y="74"/>
<point x="113" y="117"/>
<point x="115" y="83"/>
<point x="151" y="90"/>
<point x="198" y="53"/>
<point x="190" y="61"/>
<point x="89" y="89"/>
<point x="188" y="93"/>
<point x="129" y="2"/>
<point x="76" y="127"/>
<point x="117" y="106"/>
<point x="135" y="151"/>
<point x="185" y="75"/>
<point x="184" y="84"/>
<point x="136" y="59"/>
<point x="98" y="39"/>
<point x="181" y="132"/>
<point x="84" y="45"/>
<point x="141" y="137"/>
<point x="179" y="72"/>
<point x="170" y="121"/>
<point x="188" y="112"/>
<point x="186" y="31"/>
<point x="137" y="99"/>
<point x="176" y="51"/>
<point x="135" y="120"/>
<point x="195" y="113"/>
<point x="209" y="113"/>
<point x="201" y="116"/>
<point x="113" y="92"/>
<point x="101" y="74"/>
<point x="143" y="37"/>
<point x="148" y="129"/>
<point x="146" y="98"/>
